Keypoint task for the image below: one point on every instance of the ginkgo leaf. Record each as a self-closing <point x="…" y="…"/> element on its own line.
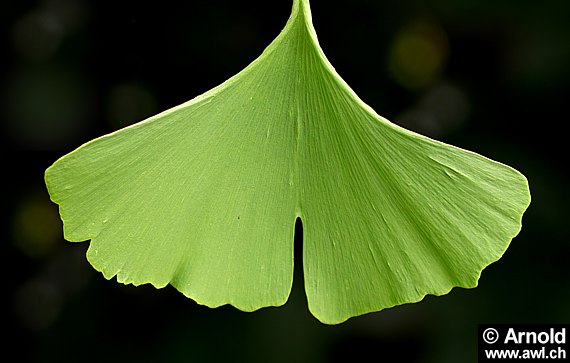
<point x="205" y="196"/>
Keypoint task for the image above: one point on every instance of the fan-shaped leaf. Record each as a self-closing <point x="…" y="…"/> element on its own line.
<point x="205" y="196"/>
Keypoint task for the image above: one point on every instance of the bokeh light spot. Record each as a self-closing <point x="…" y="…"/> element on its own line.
<point x="418" y="54"/>
<point x="441" y="109"/>
<point x="36" y="226"/>
<point x="38" y="303"/>
<point x="36" y="36"/>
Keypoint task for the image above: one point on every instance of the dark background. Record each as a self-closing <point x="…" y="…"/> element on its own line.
<point x="488" y="76"/>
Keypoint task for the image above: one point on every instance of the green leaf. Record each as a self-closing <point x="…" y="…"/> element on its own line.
<point x="205" y="196"/>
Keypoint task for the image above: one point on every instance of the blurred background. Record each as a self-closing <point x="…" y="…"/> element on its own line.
<point x="488" y="76"/>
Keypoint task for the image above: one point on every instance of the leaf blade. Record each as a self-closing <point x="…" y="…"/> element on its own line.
<point x="205" y="196"/>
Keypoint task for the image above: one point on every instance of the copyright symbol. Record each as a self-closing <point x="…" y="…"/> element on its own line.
<point x="490" y="336"/>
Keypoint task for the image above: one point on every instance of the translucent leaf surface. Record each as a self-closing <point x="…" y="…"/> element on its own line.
<point x="205" y="196"/>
